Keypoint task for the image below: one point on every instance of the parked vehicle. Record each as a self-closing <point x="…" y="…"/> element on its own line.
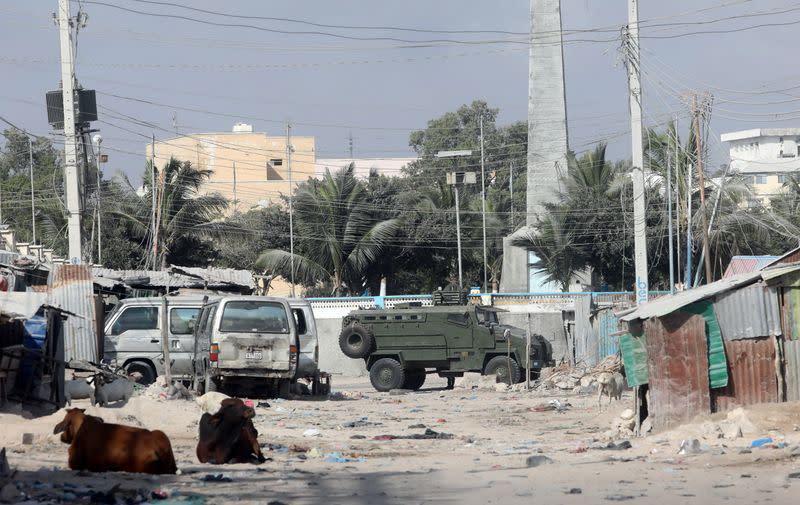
<point x="401" y="346"/>
<point x="247" y="342"/>
<point x="133" y="336"/>
<point x="308" y="360"/>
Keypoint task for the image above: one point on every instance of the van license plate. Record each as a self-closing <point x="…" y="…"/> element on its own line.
<point x="253" y="355"/>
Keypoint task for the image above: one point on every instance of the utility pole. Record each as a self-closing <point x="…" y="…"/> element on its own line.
<point x="483" y="213"/>
<point x="70" y="146"/>
<point x="458" y="239"/>
<point x="33" y="204"/>
<point x="235" y="199"/>
<point x="677" y="163"/>
<point x="637" y="175"/>
<point x="701" y="181"/>
<point x="689" y="259"/>
<point x="153" y="194"/>
<point x="669" y="224"/>
<point x="98" y="139"/>
<point x="350" y="143"/>
<point x="291" y="208"/>
<point x="511" y="191"/>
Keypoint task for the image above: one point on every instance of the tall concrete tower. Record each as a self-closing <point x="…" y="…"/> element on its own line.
<point x="547" y="130"/>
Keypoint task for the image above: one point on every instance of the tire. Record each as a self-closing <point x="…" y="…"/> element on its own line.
<point x="499" y="367"/>
<point x="387" y="374"/>
<point x="148" y="374"/>
<point x="414" y="379"/>
<point x="355" y="341"/>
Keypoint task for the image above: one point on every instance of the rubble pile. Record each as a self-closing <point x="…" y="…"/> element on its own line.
<point x="577" y="378"/>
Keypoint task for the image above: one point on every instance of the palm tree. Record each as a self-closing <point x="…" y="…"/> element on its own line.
<point x="183" y="215"/>
<point x="338" y="235"/>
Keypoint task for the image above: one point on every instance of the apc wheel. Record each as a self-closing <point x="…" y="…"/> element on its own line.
<point x="355" y="341"/>
<point x="414" y="379"/>
<point x="387" y="374"/>
<point x="147" y="372"/>
<point x="504" y="369"/>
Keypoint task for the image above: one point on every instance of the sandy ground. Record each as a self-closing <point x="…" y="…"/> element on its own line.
<point x="494" y="434"/>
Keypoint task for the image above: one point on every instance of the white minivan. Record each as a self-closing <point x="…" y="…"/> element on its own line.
<point x="133" y="336"/>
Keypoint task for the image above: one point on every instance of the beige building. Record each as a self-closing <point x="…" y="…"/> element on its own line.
<point x="249" y="168"/>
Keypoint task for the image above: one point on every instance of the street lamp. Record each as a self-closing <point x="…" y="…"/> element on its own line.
<point x="457" y="179"/>
<point x="98" y="139"/>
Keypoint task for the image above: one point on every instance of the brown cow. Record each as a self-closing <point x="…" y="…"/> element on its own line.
<point x="98" y="446"/>
<point x="229" y="435"/>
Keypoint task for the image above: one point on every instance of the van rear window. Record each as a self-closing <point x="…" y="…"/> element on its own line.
<point x="254" y="317"/>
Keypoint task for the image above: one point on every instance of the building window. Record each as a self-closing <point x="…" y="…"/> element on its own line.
<point x="272" y="174"/>
<point x="782" y="179"/>
<point x="761" y="179"/>
<point x="276" y="162"/>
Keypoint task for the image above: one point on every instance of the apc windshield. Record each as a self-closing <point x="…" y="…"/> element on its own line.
<point x="254" y="317"/>
<point x="487" y="316"/>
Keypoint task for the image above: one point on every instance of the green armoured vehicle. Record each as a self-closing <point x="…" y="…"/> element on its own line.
<point x="400" y="346"/>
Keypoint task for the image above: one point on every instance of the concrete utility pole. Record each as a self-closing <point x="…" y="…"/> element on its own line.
<point x="153" y="194"/>
<point x="33" y="204"/>
<point x="289" y="150"/>
<point x="70" y="146"/>
<point x="483" y="213"/>
<point x="98" y="139"/>
<point x="669" y="223"/>
<point x="637" y="174"/>
<point x="701" y="181"/>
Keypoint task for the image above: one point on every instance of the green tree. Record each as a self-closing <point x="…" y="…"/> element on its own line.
<point x="186" y="219"/>
<point x="253" y="232"/>
<point x="338" y="236"/>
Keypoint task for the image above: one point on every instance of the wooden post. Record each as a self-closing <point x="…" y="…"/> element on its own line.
<point x="165" y="337"/>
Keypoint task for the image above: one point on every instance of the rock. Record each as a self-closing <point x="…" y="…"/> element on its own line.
<point x="537" y="460"/>
<point x="487" y="382"/>
<point x="574" y="490"/>
<point x="501" y="387"/>
<point x="469" y="380"/>
<point x="619" y="446"/>
<point x="730" y="430"/>
<point x="690" y="446"/>
<point x="739" y="416"/>
<point x="10" y="494"/>
<point x="647" y="426"/>
<point x="627" y="414"/>
<point x="711" y="431"/>
<point x="794" y="475"/>
<point x="587" y="381"/>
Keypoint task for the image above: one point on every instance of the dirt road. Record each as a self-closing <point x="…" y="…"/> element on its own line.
<point x="348" y="451"/>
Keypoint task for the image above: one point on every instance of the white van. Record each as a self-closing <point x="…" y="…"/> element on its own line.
<point x="133" y="336"/>
<point x="308" y="361"/>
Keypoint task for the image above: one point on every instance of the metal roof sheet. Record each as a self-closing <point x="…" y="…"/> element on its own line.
<point x="71" y="289"/>
<point x="177" y="277"/>
<point x="745" y="264"/>
<point x="671" y="303"/>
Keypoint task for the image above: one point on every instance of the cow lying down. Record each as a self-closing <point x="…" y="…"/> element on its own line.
<point x="98" y="446"/>
<point x="229" y="435"/>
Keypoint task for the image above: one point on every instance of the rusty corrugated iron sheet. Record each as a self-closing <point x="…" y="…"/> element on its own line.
<point x="72" y="290"/>
<point x="749" y="312"/>
<point x="791" y="353"/>
<point x="751" y="368"/>
<point x="792" y="256"/>
<point x="745" y="264"/>
<point x="677" y="362"/>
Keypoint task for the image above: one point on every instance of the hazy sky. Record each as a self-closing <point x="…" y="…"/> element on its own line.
<point x="209" y="76"/>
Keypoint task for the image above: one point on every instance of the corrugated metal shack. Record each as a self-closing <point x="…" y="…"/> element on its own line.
<point x="715" y="347"/>
<point x="31" y="350"/>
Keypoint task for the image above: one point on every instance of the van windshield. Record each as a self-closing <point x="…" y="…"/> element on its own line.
<point x="254" y="317"/>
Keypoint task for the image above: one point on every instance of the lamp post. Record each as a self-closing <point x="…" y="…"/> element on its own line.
<point x="98" y="139"/>
<point x="457" y="179"/>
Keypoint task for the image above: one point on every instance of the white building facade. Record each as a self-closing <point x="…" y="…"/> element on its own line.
<point x="766" y="156"/>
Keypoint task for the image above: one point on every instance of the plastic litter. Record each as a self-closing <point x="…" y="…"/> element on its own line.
<point x="759" y="442"/>
<point x="336" y="457"/>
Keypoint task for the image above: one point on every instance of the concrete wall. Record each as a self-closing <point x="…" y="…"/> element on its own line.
<point x="547" y="322"/>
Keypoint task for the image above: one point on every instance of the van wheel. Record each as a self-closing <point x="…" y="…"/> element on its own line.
<point x="387" y="374"/>
<point x="356" y="341"/>
<point x="414" y="379"/>
<point x="147" y="372"/>
<point x="504" y="369"/>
